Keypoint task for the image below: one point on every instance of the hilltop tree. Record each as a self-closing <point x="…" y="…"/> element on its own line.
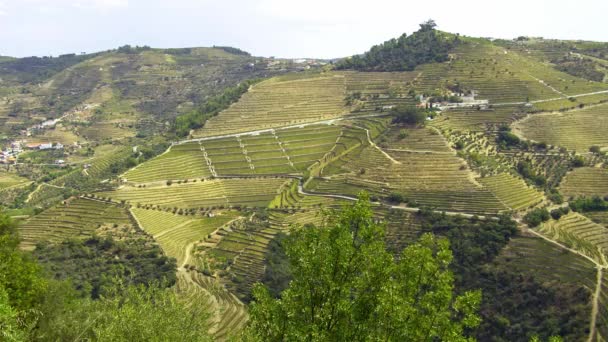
<point x="406" y="52"/>
<point x="347" y="287"/>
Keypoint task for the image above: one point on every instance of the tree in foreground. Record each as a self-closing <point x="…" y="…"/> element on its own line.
<point x="347" y="287"/>
<point x="128" y="313"/>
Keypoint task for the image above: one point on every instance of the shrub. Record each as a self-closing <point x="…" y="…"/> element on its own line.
<point x="408" y="115"/>
<point x="536" y="217"/>
<point x="396" y="197"/>
<point x="556" y="214"/>
<point x="578" y="161"/>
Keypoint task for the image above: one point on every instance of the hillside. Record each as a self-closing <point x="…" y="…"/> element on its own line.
<point x="506" y="130"/>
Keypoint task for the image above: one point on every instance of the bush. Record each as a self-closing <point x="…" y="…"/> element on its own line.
<point x="556" y="197"/>
<point x="536" y="217"/>
<point x="508" y="138"/>
<point x="556" y="214"/>
<point x="594" y="149"/>
<point x="396" y="197"/>
<point x="408" y="115"/>
<point x="584" y="204"/>
<point x="578" y="161"/>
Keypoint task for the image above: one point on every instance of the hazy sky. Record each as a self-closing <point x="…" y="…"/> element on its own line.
<point x="282" y="28"/>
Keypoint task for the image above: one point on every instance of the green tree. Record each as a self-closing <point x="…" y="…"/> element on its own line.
<point x="133" y="313"/>
<point x="10" y="329"/>
<point x="408" y="115"/>
<point x="19" y="276"/>
<point x="347" y="287"/>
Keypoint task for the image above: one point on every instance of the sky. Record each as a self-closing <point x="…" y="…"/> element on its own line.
<point x="280" y="28"/>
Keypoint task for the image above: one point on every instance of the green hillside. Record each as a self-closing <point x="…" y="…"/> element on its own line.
<point x="166" y="142"/>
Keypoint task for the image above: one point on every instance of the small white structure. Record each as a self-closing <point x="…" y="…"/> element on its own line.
<point x="45" y="146"/>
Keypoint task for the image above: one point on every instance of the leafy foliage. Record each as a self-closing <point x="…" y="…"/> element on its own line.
<point x="537" y="216"/>
<point x="410" y="115"/>
<point x="579" y="67"/>
<point x="129" y="313"/>
<point x="584" y="204"/>
<point x="346" y="286"/>
<point x="277" y="274"/>
<point x="527" y="306"/>
<point x="20" y="277"/>
<point x="95" y="264"/>
<point x="404" y="53"/>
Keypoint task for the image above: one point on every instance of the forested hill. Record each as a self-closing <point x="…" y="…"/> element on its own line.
<point x="406" y="52"/>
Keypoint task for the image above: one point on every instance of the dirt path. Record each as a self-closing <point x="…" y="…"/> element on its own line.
<point x="549" y="100"/>
<point x="29" y="196"/>
<point x="595" y="305"/>
<point x="398" y="207"/>
<point x="369" y="139"/>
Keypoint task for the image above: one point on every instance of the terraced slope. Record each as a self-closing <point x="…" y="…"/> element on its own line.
<point x="438" y="180"/>
<point x="548" y="262"/>
<point x="281" y="102"/>
<point x="281" y="152"/>
<point x="229" y="313"/>
<point x="581" y="234"/>
<point x="181" y="162"/>
<point x="176" y="234"/>
<point x="585" y="181"/>
<point x="74" y="219"/>
<point x="512" y="191"/>
<point x="576" y="130"/>
<point x="477" y="120"/>
<point x="414" y="139"/>
<point x="204" y="194"/>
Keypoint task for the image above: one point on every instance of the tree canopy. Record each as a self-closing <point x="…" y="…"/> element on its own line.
<point x="347" y="287"/>
<point x="408" y="115"/>
<point x="404" y="53"/>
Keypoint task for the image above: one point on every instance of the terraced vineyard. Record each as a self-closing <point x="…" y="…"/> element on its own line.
<point x="297" y="143"/>
<point x="281" y="102"/>
<point x="447" y="185"/>
<point x="548" y="262"/>
<point x="181" y="162"/>
<point x="414" y="139"/>
<point x="477" y="120"/>
<point x="281" y="152"/>
<point x="576" y="130"/>
<point x="512" y="191"/>
<point x="502" y="76"/>
<point x="581" y="234"/>
<point x="74" y="219"/>
<point x="229" y="313"/>
<point x="585" y="181"/>
<point x="175" y="233"/>
<point x="204" y="194"/>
